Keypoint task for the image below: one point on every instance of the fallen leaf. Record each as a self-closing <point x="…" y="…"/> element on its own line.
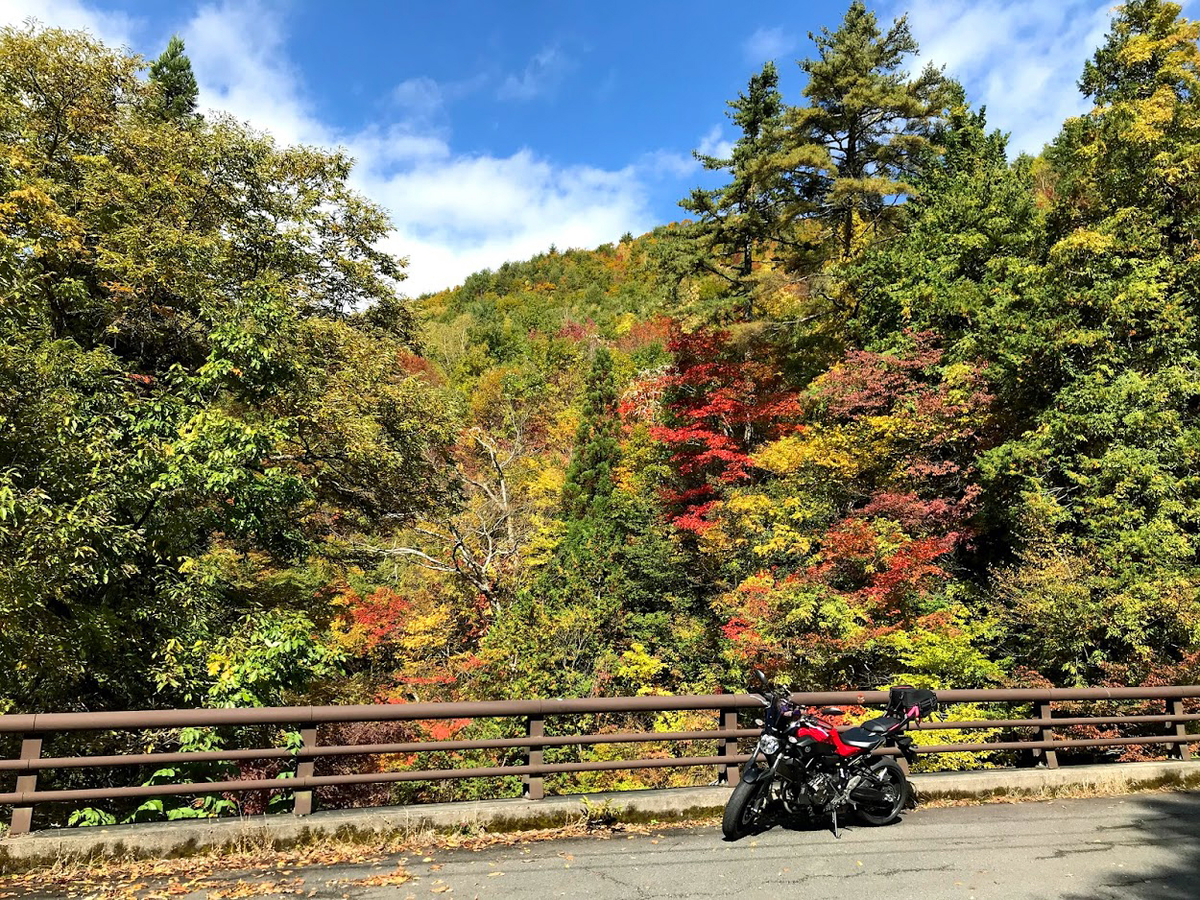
<point x="399" y="876"/>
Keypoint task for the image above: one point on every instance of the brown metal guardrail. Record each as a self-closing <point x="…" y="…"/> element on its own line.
<point x="35" y="729"/>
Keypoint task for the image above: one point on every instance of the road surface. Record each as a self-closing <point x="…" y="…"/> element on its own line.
<point x="1139" y="846"/>
<point x="1136" y="847"/>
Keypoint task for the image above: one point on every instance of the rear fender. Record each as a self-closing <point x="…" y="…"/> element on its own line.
<point x="905" y="745"/>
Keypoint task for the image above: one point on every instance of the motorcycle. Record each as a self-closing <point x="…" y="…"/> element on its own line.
<point x="803" y="764"/>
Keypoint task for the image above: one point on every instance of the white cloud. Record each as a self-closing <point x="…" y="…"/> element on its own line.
<point x="541" y="76"/>
<point x="715" y="144"/>
<point x="767" y="44"/>
<point x="237" y="53"/>
<point x="461" y="214"/>
<point x="419" y="98"/>
<point x="116" y="29"/>
<point x="1020" y="58"/>
<point x="666" y="163"/>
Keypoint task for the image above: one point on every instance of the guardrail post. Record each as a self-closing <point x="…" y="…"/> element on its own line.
<point x="22" y="816"/>
<point x="305" y="769"/>
<point x="727" y="773"/>
<point x="1175" y="708"/>
<point x="531" y="785"/>
<point x="1050" y="757"/>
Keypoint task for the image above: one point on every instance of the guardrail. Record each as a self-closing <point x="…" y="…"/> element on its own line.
<point x="35" y="729"/>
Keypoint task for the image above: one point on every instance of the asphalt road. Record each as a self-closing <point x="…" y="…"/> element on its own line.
<point x="1137" y="847"/>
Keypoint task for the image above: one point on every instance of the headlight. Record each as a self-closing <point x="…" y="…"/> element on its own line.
<point x="769" y="744"/>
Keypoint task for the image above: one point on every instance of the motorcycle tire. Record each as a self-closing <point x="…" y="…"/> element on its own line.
<point x="889" y="772"/>
<point x="745" y="808"/>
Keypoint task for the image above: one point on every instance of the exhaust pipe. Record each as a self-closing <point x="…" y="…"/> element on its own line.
<point x="868" y="795"/>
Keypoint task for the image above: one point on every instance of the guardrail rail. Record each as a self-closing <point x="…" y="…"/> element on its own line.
<point x="35" y="729"/>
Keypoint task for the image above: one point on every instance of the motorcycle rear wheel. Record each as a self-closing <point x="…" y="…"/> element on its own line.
<point x="745" y="808"/>
<point x="894" y="782"/>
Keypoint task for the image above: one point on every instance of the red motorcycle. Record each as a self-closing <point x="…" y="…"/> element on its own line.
<point x="804" y="765"/>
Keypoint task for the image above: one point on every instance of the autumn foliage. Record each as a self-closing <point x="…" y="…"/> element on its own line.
<point x="720" y="402"/>
<point x="891" y="406"/>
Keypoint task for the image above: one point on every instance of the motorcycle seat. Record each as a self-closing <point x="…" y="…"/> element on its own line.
<point x="873" y="732"/>
<point x="862" y="738"/>
<point x="883" y="724"/>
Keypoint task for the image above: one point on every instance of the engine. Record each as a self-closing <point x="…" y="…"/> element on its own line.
<point x="815" y="792"/>
<point x="821" y="788"/>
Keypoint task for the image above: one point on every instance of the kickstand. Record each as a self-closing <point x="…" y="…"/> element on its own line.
<point x="836" y="832"/>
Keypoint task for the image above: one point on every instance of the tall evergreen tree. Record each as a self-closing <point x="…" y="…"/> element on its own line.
<point x="172" y="74"/>
<point x="738" y="219"/>
<point x="852" y="149"/>
<point x="597" y="443"/>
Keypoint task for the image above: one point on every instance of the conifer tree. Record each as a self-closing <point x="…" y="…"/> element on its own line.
<point x="974" y="220"/>
<point x="597" y="443"/>
<point x="736" y="220"/>
<point x="172" y="74"/>
<point x="853" y="149"/>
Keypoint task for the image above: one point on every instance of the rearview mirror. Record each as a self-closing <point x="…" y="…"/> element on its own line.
<point x="761" y="679"/>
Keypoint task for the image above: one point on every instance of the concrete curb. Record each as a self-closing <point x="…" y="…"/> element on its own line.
<point x="1112" y="777"/>
<point x="184" y="838"/>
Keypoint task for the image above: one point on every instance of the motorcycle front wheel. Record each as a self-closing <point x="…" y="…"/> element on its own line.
<point x="890" y="779"/>
<point x="745" y="808"/>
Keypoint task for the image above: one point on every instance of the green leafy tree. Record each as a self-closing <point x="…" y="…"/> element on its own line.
<point x="974" y="223"/>
<point x="269" y="660"/>
<point x="1106" y="470"/>
<point x="191" y="406"/>
<point x="1144" y="81"/>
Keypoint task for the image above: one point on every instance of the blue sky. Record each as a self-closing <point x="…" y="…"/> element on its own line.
<point x="491" y="130"/>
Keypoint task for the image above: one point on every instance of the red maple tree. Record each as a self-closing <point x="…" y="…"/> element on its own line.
<point x="721" y="401"/>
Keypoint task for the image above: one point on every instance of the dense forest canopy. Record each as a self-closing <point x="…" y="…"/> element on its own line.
<point x="888" y="405"/>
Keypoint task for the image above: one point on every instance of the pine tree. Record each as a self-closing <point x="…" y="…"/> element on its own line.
<point x="738" y="219"/>
<point x="172" y="74"/>
<point x="589" y="482"/>
<point x="852" y="149"/>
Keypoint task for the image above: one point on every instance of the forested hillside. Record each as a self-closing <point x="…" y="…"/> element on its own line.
<point x="886" y="405"/>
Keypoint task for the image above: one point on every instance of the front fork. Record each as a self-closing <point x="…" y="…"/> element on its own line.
<point x="751" y="772"/>
<point x="763" y="776"/>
